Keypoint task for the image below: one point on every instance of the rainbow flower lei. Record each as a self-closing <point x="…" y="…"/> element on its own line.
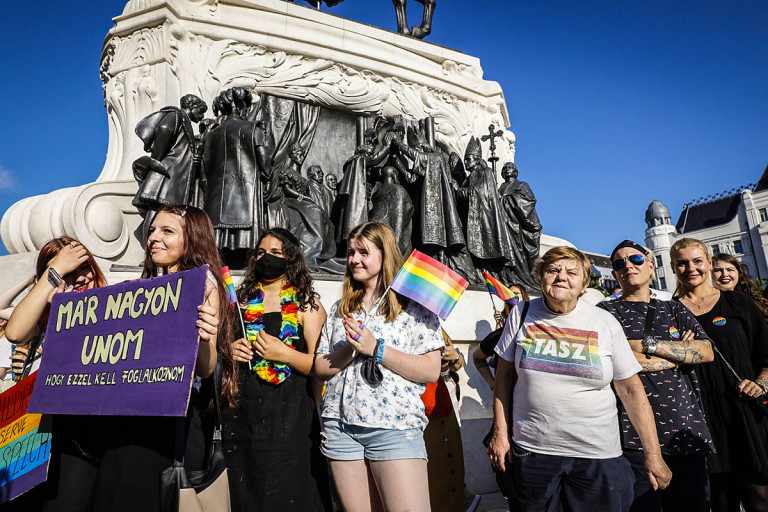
<point x="272" y="371"/>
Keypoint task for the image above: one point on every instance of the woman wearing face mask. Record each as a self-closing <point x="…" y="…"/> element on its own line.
<point x="272" y="438"/>
<point x="139" y="448"/>
<point x="75" y="450"/>
<point x="729" y="274"/>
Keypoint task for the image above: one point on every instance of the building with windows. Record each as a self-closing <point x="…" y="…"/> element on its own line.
<point x="733" y="222"/>
<point x="601" y="267"/>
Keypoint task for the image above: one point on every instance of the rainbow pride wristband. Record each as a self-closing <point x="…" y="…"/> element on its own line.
<point x="379" y="350"/>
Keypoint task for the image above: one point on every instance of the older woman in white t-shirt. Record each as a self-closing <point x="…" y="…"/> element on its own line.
<point x="373" y="433"/>
<point x="553" y="386"/>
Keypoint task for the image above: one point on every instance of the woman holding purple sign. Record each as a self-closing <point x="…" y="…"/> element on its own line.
<point x="272" y="438"/>
<point x="138" y="449"/>
<point x="63" y="265"/>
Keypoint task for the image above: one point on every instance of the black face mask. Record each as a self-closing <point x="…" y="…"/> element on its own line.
<point x="270" y="266"/>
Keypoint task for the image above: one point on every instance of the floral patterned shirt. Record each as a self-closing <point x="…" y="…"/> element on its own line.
<point x="396" y="402"/>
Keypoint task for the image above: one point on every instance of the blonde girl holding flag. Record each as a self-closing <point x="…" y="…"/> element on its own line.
<point x="373" y="431"/>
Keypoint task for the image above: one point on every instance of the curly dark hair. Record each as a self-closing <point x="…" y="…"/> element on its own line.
<point x="296" y="272"/>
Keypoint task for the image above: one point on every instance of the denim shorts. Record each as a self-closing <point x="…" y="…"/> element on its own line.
<point x="350" y="442"/>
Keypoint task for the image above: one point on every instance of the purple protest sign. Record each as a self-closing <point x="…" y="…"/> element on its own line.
<point x="127" y="349"/>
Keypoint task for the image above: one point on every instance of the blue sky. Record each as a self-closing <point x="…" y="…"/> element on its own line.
<point x="614" y="104"/>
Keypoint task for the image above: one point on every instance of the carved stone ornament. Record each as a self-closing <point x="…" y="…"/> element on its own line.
<point x="160" y="50"/>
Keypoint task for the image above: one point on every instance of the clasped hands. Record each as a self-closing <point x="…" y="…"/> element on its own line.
<point x="361" y="339"/>
<point x="265" y="346"/>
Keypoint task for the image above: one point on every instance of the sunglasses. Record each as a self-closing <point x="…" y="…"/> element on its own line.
<point x="635" y="259"/>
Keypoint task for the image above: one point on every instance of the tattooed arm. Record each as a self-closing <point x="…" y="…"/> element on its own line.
<point x="686" y="350"/>
<point x="648" y="362"/>
<point x="653" y="363"/>
<point x="762" y="379"/>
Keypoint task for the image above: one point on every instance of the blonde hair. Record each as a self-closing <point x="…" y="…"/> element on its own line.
<point x="381" y="236"/>
<point x="674" y="252"/>
<point x="562" y="253"/>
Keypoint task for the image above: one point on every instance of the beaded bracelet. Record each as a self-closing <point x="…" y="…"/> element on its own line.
<point x="379" y="350"/>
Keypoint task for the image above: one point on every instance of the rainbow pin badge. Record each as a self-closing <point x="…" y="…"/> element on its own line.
<point x="674" y="332"/>
<point x="719" y="321"/>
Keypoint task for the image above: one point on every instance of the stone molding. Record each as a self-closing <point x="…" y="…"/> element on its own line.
<point x="160" y="50"/>
<point x="98" y="214"/>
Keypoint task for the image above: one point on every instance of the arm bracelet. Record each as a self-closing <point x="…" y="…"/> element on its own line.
<point x="379" y="350"/>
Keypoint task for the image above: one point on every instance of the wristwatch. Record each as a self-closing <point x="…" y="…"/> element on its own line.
<point x="650" y="343"/>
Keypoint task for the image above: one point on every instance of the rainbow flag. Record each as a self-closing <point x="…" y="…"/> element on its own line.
<point x="230" y="286"/>
<point x="430" y="283"/>
<point x="499" y="290"/>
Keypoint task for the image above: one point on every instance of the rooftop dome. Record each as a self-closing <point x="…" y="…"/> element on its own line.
<point x="657" y="214"/>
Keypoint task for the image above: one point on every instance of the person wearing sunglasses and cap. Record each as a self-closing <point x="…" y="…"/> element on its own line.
<point x="655" y="294"/>
<point x="668" y="342"/>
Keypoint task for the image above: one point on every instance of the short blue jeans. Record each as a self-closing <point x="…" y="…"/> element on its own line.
<point x="350" y="442"/>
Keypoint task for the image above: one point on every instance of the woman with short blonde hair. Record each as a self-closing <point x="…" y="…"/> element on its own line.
<point x="554" y="409"/>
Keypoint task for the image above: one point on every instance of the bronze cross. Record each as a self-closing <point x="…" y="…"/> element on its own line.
<point x="492" y="136"/>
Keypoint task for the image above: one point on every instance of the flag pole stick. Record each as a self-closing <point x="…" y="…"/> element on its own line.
<point x="376" y="306"/>
<point x="493" y="303"/>
<point x="242" y="326"/>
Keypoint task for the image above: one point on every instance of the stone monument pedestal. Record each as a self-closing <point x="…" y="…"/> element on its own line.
<point x="160" y="50"/>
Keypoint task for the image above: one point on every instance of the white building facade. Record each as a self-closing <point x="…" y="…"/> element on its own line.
<point x="734" y="222"/>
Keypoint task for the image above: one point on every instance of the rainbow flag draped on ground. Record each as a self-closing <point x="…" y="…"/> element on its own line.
<point x="499" y="290"/>
<point x="430" y="283"/>
<point x="230" y="285"/>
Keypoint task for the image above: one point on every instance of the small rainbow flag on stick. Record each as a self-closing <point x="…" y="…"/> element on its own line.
<point x="430" y="283"/>
<point x="232" y="297"/>
<point x="499" y="290"/>
<point x="230" y="285"/>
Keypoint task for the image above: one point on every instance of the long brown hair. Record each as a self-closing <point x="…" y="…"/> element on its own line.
<point x="353" y="292"/>
<point x="47" y="253"/>
<point x="674" y="252"/>
<point x="296" y="272"/>
<point x="745" y="284"/>
<point x="200" y="249"/>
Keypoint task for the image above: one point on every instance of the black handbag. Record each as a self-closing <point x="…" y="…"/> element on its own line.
<point x="206" y="490"/>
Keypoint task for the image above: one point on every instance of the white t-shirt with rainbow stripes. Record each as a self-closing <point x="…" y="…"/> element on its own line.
<point x="563" y="402"/>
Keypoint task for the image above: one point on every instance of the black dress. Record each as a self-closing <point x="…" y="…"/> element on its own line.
<point x="739" y="429"/>
<point x="137" y="449"/>
<point x="272" y="442"/>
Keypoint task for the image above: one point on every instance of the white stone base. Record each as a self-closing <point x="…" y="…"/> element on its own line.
<point x="160" y="50"/>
